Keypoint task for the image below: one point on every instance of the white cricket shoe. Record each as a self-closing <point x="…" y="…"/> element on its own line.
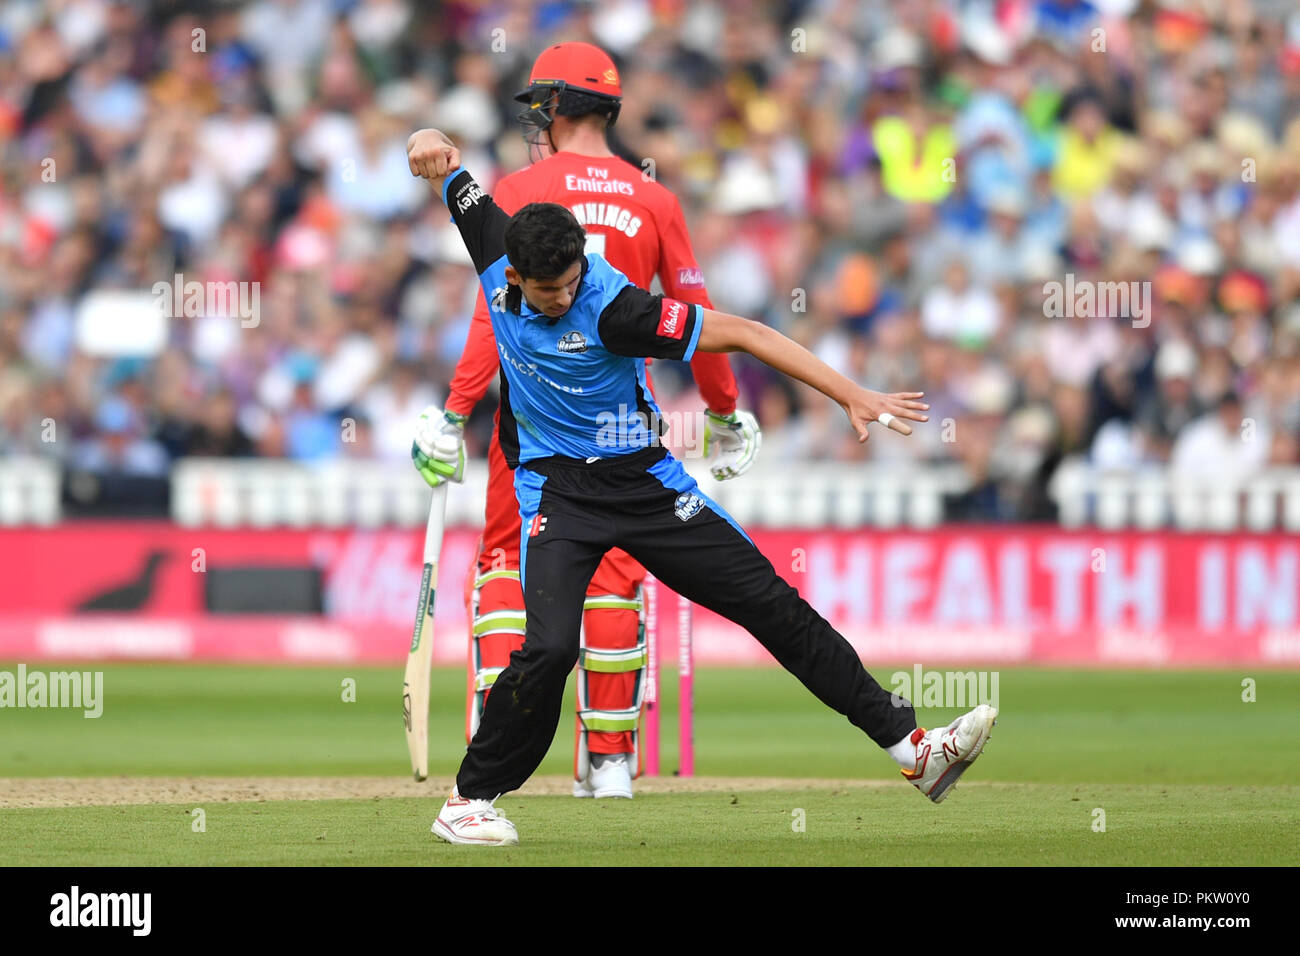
<point x="582" y="788"/>
<point x="473" y="821"/>
<point x="944" y="754"/>
<point x="613" y="778"/>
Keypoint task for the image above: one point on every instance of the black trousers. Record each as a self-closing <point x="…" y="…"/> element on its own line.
<point x="646" y="504"/>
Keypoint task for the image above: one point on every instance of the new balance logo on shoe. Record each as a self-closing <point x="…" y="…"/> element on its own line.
<point x="960" y="743"/>
<point x="469" y="821"/>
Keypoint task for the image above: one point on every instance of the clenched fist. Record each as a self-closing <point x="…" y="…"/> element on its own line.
<point x="431" y="155"/>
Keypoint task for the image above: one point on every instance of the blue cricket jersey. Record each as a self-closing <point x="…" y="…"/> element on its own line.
<point x="572" y="386"/>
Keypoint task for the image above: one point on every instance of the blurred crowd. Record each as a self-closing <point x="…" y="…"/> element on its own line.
<point x="896" y="185"/>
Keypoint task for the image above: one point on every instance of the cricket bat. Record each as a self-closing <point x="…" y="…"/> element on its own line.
<point x="415" y="688"/>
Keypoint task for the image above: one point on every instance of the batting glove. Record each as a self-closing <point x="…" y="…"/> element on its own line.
<point x="439" y="447"/>
<point x="737" y="438"/>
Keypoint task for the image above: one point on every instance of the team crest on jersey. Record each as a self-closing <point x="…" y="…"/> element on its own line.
<point x="499" y="299"/>
<point x="571" y="342"/>
<point x="688" y="506"/>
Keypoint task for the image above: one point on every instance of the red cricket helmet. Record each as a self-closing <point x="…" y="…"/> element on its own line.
<point x="569" y="79"/>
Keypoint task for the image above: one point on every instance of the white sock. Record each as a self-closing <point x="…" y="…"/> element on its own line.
<point x="904" y="753"/>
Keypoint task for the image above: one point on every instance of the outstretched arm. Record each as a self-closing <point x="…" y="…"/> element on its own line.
<point x="480" y="220"/>
<point x="636" y="323"/>
<point x="720" y="332"/>
<point x="439" y="447"/>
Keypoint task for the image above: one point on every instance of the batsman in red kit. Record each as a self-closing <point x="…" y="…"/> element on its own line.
<point x="573" y="94"/>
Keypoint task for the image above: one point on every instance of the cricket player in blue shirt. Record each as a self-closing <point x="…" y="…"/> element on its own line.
<point x="579" y="428"/>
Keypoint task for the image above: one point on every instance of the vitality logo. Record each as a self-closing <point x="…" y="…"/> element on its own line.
<point x="672" y="319"/>
<point x="690" y="278"/>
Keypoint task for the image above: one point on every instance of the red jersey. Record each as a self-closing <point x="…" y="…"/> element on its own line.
<point x="636" y="224"/>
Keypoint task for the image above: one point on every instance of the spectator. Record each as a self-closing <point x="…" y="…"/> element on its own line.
<point x="1220" y="446"/>
<point x="958" y="310"/>
<point x="120" y="449"/>
<point x="897" y="195"/>
<point x="219" y="434"/>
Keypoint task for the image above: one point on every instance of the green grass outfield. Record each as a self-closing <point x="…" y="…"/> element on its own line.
<point x="1185" y="771"/>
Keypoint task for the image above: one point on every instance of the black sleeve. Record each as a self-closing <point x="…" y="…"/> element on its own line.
<point x="481" y="222"/>
<point x="640" y="324"/>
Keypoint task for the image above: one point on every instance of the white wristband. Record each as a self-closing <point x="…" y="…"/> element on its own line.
<point x="885" y="418"/>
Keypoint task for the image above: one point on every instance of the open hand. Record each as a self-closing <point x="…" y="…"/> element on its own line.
<point x="890" y="410"/>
